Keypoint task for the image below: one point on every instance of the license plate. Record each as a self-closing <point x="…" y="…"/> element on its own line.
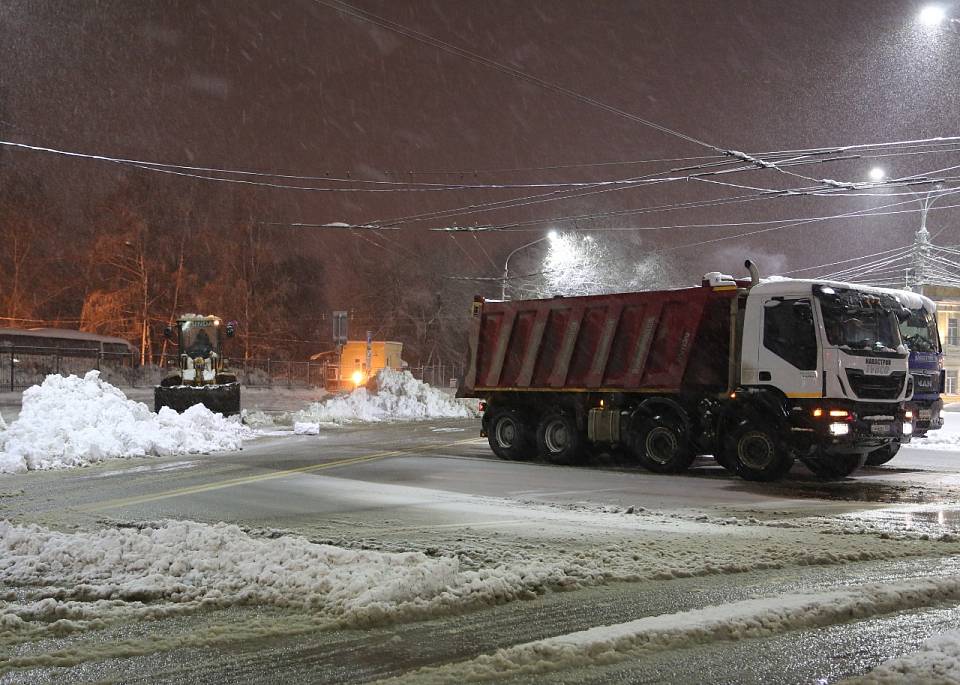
<point x="880" y="428"/>
<point x="924" y="414"/>
<point x="876" y="371"/>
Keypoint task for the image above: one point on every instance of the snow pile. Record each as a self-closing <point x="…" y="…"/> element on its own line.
<point x="71" y="421"/>
<point x="175" y="567"/>
<point x="300" y="428"/>
<point x="947" y="438"/>
<point x="735" y="621"/>
<point x="3" y="424"/>
<point x="938" y="661"/>
<point x="399" y="397"/>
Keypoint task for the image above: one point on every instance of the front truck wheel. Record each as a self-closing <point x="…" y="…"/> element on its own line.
<point x="884" y="454"/>
<point x="559" y="440"/>
<point x="660" y="446"/>
<point x="833" y="465"/>
<point x="757" y="455"/>
<point x="509" y="435"/>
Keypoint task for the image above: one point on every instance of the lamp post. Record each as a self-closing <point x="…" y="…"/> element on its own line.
<point x="921" y="243"/>
<point x="552" y="235"/>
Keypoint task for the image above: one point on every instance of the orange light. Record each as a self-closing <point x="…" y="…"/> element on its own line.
<point x="733" y="396"/>
<point x="817" y="413"/>
<point x="601" y="404"/>
<point x="908" y="414"/>
<point x="839" y="413"/>
<point x="357" y="377"/>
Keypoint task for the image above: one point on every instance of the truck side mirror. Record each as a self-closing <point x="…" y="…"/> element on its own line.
<point x="230" y="329"/>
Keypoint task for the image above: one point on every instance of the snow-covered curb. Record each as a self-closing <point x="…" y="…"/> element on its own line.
<point x="937" y="661"/>
<point x="735" y="621"/>
<point x="73" y="581"/>
<point x="71" y="421"/>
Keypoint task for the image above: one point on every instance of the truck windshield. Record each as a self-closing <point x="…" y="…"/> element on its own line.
<point x="919" y="332"/>
<point x="860" y="327"/>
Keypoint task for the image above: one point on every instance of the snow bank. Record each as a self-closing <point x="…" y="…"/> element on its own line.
<point x="738" y="620"/>
<point x="946" y="438"/>
<point x="175" y="567"/>
<point x="71" y="421"/>
<point x="399" y="397"/>
<point x="937" y="661"/>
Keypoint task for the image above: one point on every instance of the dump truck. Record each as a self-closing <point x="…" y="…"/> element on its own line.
<point x="757" y="374"/>
<point x="921" y="336"/>
<point x="201" y="376"/>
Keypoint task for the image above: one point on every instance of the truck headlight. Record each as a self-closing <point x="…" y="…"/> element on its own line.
<point x="908" y="429"/>
<point x="839" y="429"/>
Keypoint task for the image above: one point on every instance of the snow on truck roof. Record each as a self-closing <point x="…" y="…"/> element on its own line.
<point x="908" y="299"/>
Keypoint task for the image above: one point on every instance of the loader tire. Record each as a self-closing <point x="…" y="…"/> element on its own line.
<point x="509" y="435"/>
<point x="559" y="441"/>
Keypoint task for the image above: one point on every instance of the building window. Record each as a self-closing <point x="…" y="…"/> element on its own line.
<point x="953" y="331"/>
<point x="951" y="382"/>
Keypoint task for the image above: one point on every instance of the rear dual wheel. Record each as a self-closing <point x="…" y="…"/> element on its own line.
<point x="559" y="440"/>
<point x="755" y="454"/>
<point x="509" y="434"/>
<point x="660" y="446"/>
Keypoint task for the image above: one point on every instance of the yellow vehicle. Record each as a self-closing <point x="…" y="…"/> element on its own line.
<point x="201" y="376"/>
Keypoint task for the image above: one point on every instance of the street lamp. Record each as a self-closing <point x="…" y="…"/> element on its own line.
<point x="552" y="235"/>
<point x="877" y="174"/>
<point x="932" y="15"/>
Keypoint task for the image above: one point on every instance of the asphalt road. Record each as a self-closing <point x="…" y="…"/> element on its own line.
<point x="435" y="487"/>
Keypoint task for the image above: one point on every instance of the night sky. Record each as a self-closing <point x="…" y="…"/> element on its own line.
<point x="299" y="87"/>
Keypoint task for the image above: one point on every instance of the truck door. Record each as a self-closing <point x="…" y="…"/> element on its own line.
<point x="789" y="356"/>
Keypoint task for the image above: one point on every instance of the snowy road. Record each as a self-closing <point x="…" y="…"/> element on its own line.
<point x="623" y="544"/>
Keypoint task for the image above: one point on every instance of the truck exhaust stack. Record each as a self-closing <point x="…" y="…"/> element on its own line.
<point x="754" y="273"/>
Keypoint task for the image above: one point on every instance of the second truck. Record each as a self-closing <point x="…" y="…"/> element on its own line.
<point x="758" y="374"/>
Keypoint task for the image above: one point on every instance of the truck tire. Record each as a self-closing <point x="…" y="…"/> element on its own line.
<point x="509" y="435"/>
<point x="559" y="440"/>
<point x="884" y="454"/>
<point x="757" y="454"/>
<point x="660" y="446"/>
<point x="834" y="466"/>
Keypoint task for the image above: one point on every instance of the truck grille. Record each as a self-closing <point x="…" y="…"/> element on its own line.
<point x="875" y="387"/>
<point x="924" y="382"/>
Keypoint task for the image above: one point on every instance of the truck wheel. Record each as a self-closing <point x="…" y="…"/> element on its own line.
<point x="884" y="454"/>
<point x="508" y="434"/>
<point x="834" y="466"/>
<point x="758" y="456"/>
<point x="558" y="439"/>
<point x="661" y="447"/>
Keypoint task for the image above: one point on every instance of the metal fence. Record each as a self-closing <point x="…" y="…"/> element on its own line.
<point x="21" y="368"/>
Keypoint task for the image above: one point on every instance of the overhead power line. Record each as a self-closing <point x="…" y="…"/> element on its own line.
<point x="515" y="72"/>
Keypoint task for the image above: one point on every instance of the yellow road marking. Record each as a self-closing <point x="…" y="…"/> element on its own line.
<point x="234" y="482"/>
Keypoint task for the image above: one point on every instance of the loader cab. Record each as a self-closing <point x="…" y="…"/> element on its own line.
<point x="200" y="336"/>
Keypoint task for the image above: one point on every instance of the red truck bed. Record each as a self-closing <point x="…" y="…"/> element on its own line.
<point x="657" y="341"/>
